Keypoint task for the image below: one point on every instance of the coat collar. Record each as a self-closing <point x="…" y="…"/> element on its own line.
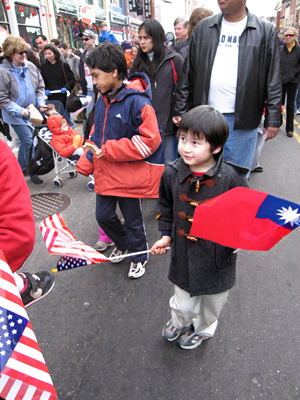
<point x="184" y="172"/>
<point x="252" y="20"/>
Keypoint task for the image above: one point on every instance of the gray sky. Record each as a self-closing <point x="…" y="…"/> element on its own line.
<point x="261" y="8"/>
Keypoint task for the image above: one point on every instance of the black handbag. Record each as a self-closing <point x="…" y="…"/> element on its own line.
<point x="74" y="103"/>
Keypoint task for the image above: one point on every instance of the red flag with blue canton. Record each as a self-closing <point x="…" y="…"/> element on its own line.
<point x="23" y="372"/>
<point x="246" y="219"/>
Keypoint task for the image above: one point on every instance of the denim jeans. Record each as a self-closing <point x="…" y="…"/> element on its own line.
<point x="170" y="148"/>
<point x="24" y="133"/>
<point x="240" y="145"/>
<point x="90" y="107"/>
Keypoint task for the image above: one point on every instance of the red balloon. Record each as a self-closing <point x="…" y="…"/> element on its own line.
<point x="21" y="9"/>
<point x="83" y="25"/>
<point x="7" y="7"/>
<point x="50" y="15"/>
<point x="43" y="15"/>
<point x="61" y="19"/>
<point x="32" y="13"/>
<point x="69" y="21"/>
<point x="76" y="23"/>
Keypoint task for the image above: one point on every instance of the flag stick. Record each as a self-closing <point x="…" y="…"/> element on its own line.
<point x="133" y="254"/>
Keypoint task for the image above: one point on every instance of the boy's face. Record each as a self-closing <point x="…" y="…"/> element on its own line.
<point x="105" y="81"/>
<point x="196" y="152"/>
<point x="63" y="125"/>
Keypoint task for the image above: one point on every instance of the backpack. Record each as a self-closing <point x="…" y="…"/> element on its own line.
<point x="42" y="162"/>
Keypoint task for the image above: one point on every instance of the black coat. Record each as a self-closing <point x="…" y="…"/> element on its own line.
<point x="55" y="78"/>
<point x="289" y="64"/>
<point x="201" y="267"/>
<point x="258" y="81"/>
<point x="163" y="88"/>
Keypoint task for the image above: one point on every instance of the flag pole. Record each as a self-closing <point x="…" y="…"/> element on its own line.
<point x="133" y="254"/>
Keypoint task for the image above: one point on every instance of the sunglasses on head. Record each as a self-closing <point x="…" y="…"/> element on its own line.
<point x="289" y="35"/>
<point x="85" y="40"/>
<point x="21" y="53"/>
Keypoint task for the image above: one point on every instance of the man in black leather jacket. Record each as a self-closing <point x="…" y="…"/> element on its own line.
<point x="254" y="76"/>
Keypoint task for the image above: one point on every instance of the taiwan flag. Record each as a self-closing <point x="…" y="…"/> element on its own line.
<point x="245" y="219"/>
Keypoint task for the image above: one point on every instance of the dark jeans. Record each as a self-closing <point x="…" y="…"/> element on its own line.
<point x="132" y="236"/>
<point x="289" y="91"/>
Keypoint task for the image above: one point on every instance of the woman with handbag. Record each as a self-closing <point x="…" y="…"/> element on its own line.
<point x="57" y="76"/>
<point x="21" y="85"/>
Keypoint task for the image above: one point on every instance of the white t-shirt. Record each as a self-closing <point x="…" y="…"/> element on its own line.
<point x="225" y="69"/>
<point x="88" y="77"/>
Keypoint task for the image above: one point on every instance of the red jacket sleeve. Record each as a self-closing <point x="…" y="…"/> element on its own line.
<point x="17" y="228"/>
<point x="139" y="146"/>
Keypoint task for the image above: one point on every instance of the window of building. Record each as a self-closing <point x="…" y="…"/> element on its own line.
<point x="29" y="23"/>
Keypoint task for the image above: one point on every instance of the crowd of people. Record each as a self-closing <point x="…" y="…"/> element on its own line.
<point x="174" y="121"/>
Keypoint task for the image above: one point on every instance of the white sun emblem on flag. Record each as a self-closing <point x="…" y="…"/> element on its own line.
<point x="289" y="215"/>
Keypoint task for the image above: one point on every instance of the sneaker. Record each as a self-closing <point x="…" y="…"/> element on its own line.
<point x="137" y="270"/>
<point x="36" y="286"/>
<point x="191" y="340"/>
<point x="290" y="134"/>
<point x="102" y="246"/>
<point x="35" y="179"/>
<point x="116" y="254"/>
<point x="297" y="112"/>
<point x="171" y="333"/>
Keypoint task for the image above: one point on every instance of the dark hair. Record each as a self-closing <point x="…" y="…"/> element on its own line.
<point x="55" y="41"/>
<point x="53" y="49"/>
<point x="33" y="58"/>
<point x="41" y="36"/>
<point x="155" y="30"/>
<point x="208" y="122"/>
<point x="107" y="57"/>
<point x="63" y="46"/>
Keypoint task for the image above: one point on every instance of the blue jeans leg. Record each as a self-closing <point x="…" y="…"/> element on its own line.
<point x="171" y="148"/>
<point x="24" y="133"/>
<point x="89" y="108"/>
<point x="240" y="145"/>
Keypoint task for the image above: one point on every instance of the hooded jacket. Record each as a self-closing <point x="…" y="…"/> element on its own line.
<point x="127" y="131"/>
<point x="62" y="142"/>
<point x="163" y="88"/>
<point x="258" y="81"/>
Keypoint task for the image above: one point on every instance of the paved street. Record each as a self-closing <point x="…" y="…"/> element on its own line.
<point x="100" y="333"/>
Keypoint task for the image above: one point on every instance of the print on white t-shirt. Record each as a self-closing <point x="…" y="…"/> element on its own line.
<point x="225" y="68"/>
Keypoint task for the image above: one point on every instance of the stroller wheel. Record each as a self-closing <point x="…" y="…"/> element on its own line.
<point x="73" y="174"/>
<point x="58" y="182"/>
<point x="91" y="185"/>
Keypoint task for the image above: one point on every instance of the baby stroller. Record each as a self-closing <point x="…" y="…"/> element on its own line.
<point x="42" y="145"/>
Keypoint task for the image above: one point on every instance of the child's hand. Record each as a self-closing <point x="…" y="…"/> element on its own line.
<point x="159" y="247"/>
<point x="76" y="141"/>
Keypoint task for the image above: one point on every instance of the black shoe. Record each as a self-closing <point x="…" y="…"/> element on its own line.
<point x="25" y="173"/>
<point x="36" y="286"/>
<point x="258" y="169"/>
<point x="290" y="134"/>
<point x="35" y="179"/>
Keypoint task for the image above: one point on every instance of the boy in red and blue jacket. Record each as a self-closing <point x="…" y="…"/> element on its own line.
<point x="130" y="160"/>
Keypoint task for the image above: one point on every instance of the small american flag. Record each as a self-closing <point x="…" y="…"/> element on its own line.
<point x="60" y="240"/>
<point x="23" y="372"/>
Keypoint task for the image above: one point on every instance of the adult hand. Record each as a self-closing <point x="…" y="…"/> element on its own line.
<point x="159" y="247"/>
<point x="271" y="132"/>
<point x="25" y="112"/>
<point x="176" y="120"/>
<point x="43" y="107"/>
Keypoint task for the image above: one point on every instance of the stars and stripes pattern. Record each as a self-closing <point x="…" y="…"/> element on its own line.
<point x="23" y="372"/>
<point x="67" y="262"/>
<point x="60" y="240"/>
